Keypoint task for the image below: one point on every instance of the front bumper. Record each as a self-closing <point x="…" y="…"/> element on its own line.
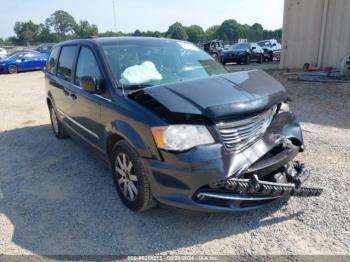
<point x="212" y="178"/>
<point x="227" y="58"/>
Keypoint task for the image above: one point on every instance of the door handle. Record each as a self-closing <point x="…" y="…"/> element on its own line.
<point x="73" y="96"/>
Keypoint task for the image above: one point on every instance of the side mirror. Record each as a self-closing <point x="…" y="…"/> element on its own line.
<point x="88" y="83"/>
<point x="274" y="44"/>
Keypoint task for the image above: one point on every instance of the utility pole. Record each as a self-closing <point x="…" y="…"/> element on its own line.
<point x="114" y="16"/>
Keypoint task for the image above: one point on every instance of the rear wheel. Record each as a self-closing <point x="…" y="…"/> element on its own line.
<point x="247" y="59"/>
<point x="130" y="178"/>
<point x="56" y="124"/>
<point x="12" y="69"/>
<point x="215" y="56"/>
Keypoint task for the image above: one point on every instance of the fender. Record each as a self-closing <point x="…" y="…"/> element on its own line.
<point x="50" y="98"/>
<point x="128" y="133"/>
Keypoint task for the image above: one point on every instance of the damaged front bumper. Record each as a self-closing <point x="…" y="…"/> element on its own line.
<point x="212" y="178"/>
<point x="227" y="193"/>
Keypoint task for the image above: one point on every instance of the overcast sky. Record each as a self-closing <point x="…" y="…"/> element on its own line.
<point x="144" y="14"/>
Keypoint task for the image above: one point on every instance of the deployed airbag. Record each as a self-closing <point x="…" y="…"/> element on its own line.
<point x="139" y="74"/>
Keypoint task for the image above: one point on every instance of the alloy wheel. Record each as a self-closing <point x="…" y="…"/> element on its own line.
<point x="127" y="179"/>
<point x="12" y="69"/>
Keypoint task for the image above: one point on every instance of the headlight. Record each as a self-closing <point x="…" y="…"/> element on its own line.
<point x="181" y="137"/>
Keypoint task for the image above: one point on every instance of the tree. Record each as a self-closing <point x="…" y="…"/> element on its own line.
<point x="85" y="29"/>
<point x="137" y="33"/>
<point x="258" y="30"/>
<point x="62" y="22"/>
<point x="45" y="35"/>
<point x="229" y="30"/>
<point x="212" y="32"/>
<point x="177" y="31"/>
<point x="26" y="32"/>
<point x="195" y="33"/>
<point x="7" y="41"/>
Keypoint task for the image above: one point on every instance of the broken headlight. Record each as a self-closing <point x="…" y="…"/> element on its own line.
<point x="181" y="137"/>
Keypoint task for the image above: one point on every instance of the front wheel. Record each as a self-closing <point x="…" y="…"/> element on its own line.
<point x="12" y="69"/>
<point x="261" y="59"/>
<point x="130" y="178"/>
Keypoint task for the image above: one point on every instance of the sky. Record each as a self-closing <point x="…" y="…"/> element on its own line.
<point x="144" y="14"/>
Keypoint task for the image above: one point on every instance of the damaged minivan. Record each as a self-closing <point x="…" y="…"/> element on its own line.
<point x="175" y="126"/>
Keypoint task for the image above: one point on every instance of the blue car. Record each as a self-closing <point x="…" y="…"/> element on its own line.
<point x="23" y="61"/>
<point x="45" y="48"/>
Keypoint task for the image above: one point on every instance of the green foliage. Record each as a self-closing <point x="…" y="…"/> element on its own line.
<point x="26" y="32"/>
<point x="211" y="33"/>
<point x="177" y="31"/>
<point x="62" y="23"/>
<point x="45" y="35"/>
<point x="111" y="34"/>
<point x="7" y="41"/>
<point x="195" y="33"/>
<point x="83" y="28"/>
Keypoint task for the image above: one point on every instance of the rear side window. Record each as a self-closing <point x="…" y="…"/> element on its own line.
<point x="65" y="63"/>
<point x="51" y="64"/>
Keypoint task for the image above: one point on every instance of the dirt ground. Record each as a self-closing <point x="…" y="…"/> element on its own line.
<point x="58" y="198"/>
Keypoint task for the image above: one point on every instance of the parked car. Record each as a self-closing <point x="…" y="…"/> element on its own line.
<point x="17" y="50"/>
<point x="174" y="125"/>
<point x="271" y="49"/>
<point x="23" y="61"/>
<point x="214" y="48"/>
<point x="3" y="53"/>
<point x="242" y="53"/>
<point x="45" y="48"/>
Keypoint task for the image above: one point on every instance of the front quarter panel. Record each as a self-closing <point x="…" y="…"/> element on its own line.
<point x="131" y="122"/>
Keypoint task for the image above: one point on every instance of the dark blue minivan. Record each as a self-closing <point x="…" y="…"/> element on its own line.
<point x="175" y="126"/>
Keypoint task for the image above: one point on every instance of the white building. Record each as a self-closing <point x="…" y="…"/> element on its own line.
<point x="315" y="31"/>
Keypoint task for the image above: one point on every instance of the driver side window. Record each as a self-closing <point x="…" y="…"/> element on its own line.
<point x="87" y="66"/>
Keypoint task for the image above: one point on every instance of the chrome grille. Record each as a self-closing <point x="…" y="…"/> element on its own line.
<point x="240" y="134"/>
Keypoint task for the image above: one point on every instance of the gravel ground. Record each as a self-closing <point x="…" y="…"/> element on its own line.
<point x="58" y="198"/>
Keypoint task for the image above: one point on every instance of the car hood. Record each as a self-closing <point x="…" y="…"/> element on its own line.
<point x="236" y="51"/>
<point x="4" y="60"/>
<point x="221" y="95"/>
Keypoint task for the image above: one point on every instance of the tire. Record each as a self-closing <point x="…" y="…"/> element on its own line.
<point x="130" y="178"/>
<point x="239" y="62"/>
<point x="215" y="56"/>
<point x="56" y="124"/>
<point x="12" y="69"/>
<point x="270" y="57"/>
<point x="261" y="59"/>
<point x="247" y="59"/>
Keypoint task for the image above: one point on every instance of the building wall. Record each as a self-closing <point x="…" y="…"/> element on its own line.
<point x="308" y="23"/>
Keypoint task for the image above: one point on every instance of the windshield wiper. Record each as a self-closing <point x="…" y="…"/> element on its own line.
<point x="136" y="86"/>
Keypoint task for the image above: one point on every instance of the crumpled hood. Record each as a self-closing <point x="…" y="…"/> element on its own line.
<point x="221" y="95"/>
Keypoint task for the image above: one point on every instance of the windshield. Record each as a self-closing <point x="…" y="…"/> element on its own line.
<point x="155" y="62"/>
<point x="264" y="43"/>
<point x="241" y="46"/>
